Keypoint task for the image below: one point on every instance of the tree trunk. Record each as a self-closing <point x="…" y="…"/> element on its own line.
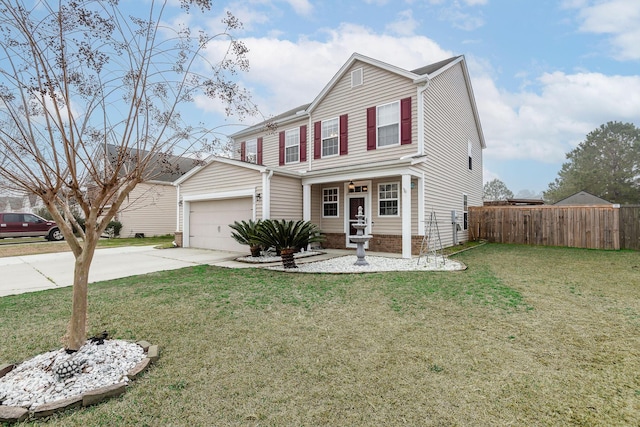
<point x="77" y="333"/>
<point x="255" y="250"/>
<point x="288" y="261"/>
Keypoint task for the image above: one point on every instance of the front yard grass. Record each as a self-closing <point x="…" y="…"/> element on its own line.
<point x="37" y="245"/>
<point x="531" y="336"/>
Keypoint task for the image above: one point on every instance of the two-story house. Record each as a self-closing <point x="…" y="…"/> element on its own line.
<point x="402" y="144"/>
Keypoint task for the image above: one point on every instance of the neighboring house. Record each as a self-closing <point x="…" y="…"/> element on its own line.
<point x="150" y="208"/>
<point x="21" y="204"/>
<point x="582" y="198"/>
<point x="401" y="144"/>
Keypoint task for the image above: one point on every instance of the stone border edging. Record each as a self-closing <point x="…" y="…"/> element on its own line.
<point x="13" y="414"/>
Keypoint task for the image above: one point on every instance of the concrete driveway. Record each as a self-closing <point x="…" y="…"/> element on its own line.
<point x="30" y="273"/>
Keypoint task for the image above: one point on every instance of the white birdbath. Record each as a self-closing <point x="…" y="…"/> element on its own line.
<point x="360" y="238"/>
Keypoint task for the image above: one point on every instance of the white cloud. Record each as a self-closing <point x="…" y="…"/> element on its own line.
<point x="552" y="116"/>
<point x="456" y="13"/>
<point x="404" y="25"/>
<point x="285" y="74"/>
<point x="617" y="18"/>
<point x="488" y="175"/>
<point x="301" y="7"/>
<point x="542" y="121"/>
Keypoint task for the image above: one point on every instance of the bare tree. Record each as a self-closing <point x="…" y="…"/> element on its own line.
<point x="496" y="190"/>
<point x="85" y="75"/>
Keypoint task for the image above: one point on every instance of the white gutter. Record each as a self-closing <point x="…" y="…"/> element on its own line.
<point x="420" y="93"/>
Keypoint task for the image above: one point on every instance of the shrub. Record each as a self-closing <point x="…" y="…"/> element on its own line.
<point x="245" y="233"/>
<point x="113" y="229"/>
<point x="288" y="237"/>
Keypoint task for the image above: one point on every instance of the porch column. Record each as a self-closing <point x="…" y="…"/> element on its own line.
<point x="186" y="229"/>
<point x="306" y="202"/>
<point x="266" y="194"/>
<point x="406" y="216"/>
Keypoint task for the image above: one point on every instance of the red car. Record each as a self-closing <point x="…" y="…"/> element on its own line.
<point x="28" y="225"/>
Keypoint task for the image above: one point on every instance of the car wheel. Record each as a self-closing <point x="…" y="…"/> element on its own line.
<point x="56" y="235"/>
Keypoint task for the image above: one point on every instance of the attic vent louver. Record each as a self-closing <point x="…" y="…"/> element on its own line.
<point x="356" y="77"/>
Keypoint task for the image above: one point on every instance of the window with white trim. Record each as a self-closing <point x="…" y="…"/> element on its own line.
<point x="330" y="202"/>
<point x="330" y="133"/>
<point x="292" y="146"/>
<point x="465" y="212"/>
<point x="357" y="77"/>
<point x="388" y="199"/>
<point x="251" y="151"/>
<point x="388" y="122"/>
<point x="469" y="152"/>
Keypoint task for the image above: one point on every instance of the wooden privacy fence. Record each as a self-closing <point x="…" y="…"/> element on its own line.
<point x="630" y="227"/>
<point x="596" y="227"/>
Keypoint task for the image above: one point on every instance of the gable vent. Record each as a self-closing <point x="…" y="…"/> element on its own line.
<point x="356" y="77"/>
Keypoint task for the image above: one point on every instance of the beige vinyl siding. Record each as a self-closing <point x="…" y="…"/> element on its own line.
<point x="380" y="87"/>
<point x="219" y="177"/>
<point x="316" y="205"/>
<point x="385" y="224"/>
<point x="449" y="124"/>
<point x="150" y="208"/>
<point x="286" y="198"/>
<point x="332" y="224"/>
<point x="271" y="145"/>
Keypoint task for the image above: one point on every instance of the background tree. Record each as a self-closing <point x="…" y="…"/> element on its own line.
<point x="496" y="190"/>
<point x="79" y="75"/>
<point x="528" y="194"/>
<point x="606" y="164"/>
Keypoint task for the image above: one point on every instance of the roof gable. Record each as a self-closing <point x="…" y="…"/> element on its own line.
<point x="217" y="159"/>
<point x="162" y="167"/>
<point x="417" y="76"/>
<point x="582" y="198"/>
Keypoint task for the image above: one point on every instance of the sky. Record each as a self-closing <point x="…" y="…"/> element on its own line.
<point x="544" y="73"/>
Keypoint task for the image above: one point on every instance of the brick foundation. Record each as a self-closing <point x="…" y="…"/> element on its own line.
<point x="391" y="243"/>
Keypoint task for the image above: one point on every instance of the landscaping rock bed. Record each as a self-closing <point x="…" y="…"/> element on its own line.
<point x="346" y="264"/>
<point x="56" y="381"/>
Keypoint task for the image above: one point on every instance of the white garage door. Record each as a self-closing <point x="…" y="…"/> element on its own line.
<point x="209" y="223"/>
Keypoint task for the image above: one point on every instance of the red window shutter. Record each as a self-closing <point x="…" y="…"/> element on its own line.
<point x="281" y="143"/>
<point x="243" y="151"/>
<point x="317" y="140"/>
<point x="259" y="148"/>
<point x="303" y="143"/>
<point x="344" y="143"/>
<point x="371" y="128"/>
<point x="405" y="121"/>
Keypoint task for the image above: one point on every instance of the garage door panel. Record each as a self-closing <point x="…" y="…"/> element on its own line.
<point x="209" y="223"/>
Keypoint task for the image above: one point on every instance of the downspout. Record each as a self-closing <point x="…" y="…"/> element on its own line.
<point x="420" y="91"/>
<point x="421" y="184"/>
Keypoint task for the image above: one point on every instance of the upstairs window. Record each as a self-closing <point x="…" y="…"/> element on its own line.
<point x="251" y="151"/>
<point x="388" y="120"/>
<point x="292" y="145"/>
<point x="469" y="152"/>
<point x="330" y="202"/>
<point x="388" y="199"/>
<point x="330" y="133"/>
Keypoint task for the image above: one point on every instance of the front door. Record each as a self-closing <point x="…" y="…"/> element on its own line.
<point x="354" y="203"/>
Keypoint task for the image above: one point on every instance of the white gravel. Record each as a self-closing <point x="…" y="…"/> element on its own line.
<point x="345" y="264"/>
<point x="34" y="383"/>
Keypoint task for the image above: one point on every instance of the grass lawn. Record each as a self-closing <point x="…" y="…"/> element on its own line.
<point x="527" y="336"/>
<point x="38" y="245"/>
